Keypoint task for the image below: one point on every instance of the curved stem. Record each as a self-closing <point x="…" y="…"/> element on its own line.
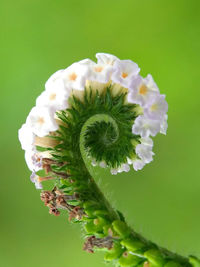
<point x="78" y="193"/>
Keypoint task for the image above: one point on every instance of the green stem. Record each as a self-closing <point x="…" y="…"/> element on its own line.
<point x="105" y="228"/>
<point x="139" y="248"/>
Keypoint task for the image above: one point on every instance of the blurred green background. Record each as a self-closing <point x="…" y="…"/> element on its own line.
<point x="161" y="201"/>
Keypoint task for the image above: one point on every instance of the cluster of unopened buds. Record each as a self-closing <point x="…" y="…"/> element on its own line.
<point x="42" y="119"/>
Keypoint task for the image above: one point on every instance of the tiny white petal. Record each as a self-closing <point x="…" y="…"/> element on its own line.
<point x="35" y="179"/>
<point x="94" y="163"/>
<point x="156" y="108"/>
<point x="144" y="152"/>
<point x="124" y="72"/>
<point x="55" y="97"/>
<point x="54" y="78"/>
<point x="75" y="76"/>
<point x="120" y="169"/>
<point x="41" y="120"/>
<point x="86" y="62"/>
<point x="26" y="137"/>
<point x="149" y="81"/>
<point x="138" y="164"/>
<point x="100" y="72"/>
<point x="125" y="167"/>
<point x="104" y="58"/>
<point x="114" y="171"/>
<point x="146" y="141"/>
<point x="130" y="161"/>
<point x="102" y="164"/>
<point x="164" y="125"/>
<point x="141" y="91"/>
<point x="145" y="127"/>
<point x="33" y="160"/>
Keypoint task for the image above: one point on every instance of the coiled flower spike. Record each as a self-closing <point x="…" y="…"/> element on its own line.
<point x="106" y="114"/>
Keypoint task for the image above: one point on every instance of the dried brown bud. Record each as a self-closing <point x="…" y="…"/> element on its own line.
<point x="92" y="242"/>
<point x="47" y="196"/>
<point x="77" y="213"/>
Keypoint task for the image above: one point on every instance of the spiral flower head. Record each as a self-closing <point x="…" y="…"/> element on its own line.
<point x="111" y="87"/>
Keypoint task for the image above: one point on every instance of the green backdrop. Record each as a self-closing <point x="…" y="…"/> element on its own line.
<point x="161" y="201"/>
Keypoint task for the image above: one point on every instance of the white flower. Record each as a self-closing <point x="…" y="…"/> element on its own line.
<point x="138" y="164"/>
<point x="146" y="141"/>
<point x="54" y="79"/>
<point x="141" y="90"/>
<point x="26" y="137"/>
<point x="129" y="161"/>
<point x="156" y="108"/>
<point x="94" y="163"/>
<point x="104" y="58"/>
<point x="100" y="72"/>
<point x="144" y="152"/>
<point x="125" y="167"/>
<point x="33" y="160"/>
<point x="41" y="120"/>
<point x="145" y="127"/>
<point x="75" y="76"/>
<point x="102" y="164"/>
<point x="36" y="180"/>
<point x="86" y="62"/>
<point x="164" y="125"/>
<point x="124" y="72"/>
<point x="54" y="97"/>
<point x="114" y="171"/>
<point x="150" y="83"/>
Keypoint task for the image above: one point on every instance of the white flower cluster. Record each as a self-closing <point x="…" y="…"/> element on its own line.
<point x="142" y="91"/>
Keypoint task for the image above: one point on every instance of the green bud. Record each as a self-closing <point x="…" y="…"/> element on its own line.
<point x="90" y="207"/>
<point x="132" y="245"/>
<point x="90" y="228"/>
<point x="155" y="257"/>
<point x="114" y="253"/>
<point x="121" y="228"/>
<point x="130" y="260"/>
<point x="96" y="225"/>
<point x="100" y="213"/>
<point x="194" y="261"/>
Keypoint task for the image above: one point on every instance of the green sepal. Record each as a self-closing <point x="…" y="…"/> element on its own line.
<point x="114" y="253"/>
<point x="194" y="261"/>
<point x="155" y="257"/>
<point x="67" y="183"/>
<point x="74" y="202"/>
<point x="96" y="225"/>
<point x="90" y="228"/>
<point x="102" y="213"/>
<point x="173" y="264"/>
<point x="129" y="260"/>
<point x="132" y="245"/>
<point x="106" y="228"/>
<point x="90" y="207"/>
<point x="121" y="228"/>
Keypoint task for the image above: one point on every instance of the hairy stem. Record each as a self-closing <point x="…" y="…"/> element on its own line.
<point x="100" y="126"/>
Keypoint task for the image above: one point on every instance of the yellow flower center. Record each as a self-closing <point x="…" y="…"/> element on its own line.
<point x="52" y="96"/>
<point x="98" y="69"/>
<point x="41" y="120"/>
<point x="143" y="90"/>
<point x="72" y="76"/>
<point x="124" y="75"/>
